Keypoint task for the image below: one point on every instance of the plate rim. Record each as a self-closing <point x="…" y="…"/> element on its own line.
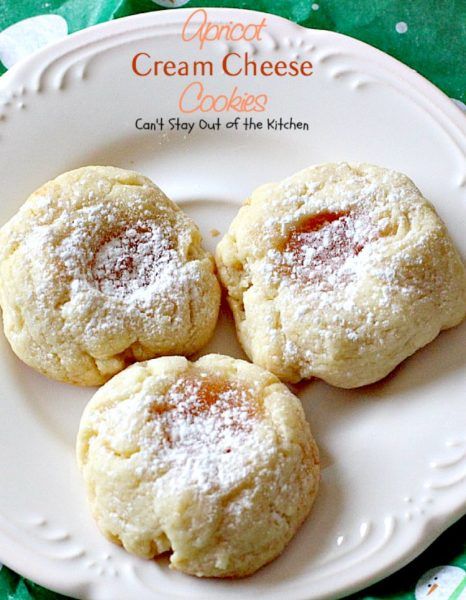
<point x="157" y="17"/>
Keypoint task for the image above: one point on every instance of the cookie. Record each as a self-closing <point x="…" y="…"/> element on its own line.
<point x="340" y="272"/>
<point x="212" y="461"/>
<point x="99" y="269"/>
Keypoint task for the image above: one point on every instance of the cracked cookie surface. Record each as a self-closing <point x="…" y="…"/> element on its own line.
<point x="99" y="269"/>
<point x="211" y="460"/>
<point x="351" y="273"/>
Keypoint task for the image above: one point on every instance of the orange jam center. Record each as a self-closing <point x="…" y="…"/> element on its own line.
<point x="127" y="260"/>
<point x="231" y="404"/>
<point x="319" y="245"/>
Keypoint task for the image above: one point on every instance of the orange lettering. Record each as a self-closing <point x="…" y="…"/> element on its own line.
<point x="134" y="64"/>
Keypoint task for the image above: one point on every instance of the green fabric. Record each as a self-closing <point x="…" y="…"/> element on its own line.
<point x="15" y="587"/>
<point x="434" y="44"/>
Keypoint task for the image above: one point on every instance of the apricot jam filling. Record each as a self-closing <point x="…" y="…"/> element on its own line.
<point x="319" y="245"/>
<point x="209" y="399"/>
<point x="128" y="259"/>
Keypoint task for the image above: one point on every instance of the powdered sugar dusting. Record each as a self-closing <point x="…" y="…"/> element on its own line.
<point x="100" y="252"/>
<point x="332" y="262"/>
<point x="208" y="437"/>
<point x="133" y="259"/>
<point x="317" y="274"/>
<point x="203" y="433"/>
<point x="110" y="271"/>
<point x="114" y="278"/>
<point x="318" y="248"/>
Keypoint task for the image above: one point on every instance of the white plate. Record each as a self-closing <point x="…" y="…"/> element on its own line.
<point x="394" y="453"/>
